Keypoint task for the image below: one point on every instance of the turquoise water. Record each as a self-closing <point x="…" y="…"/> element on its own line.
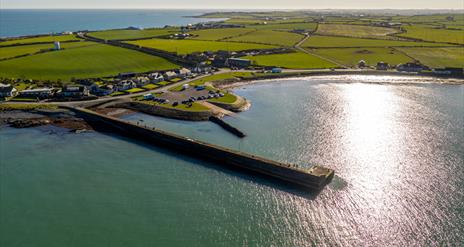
<point x="397" y="151"/>
<point x="19" y="22"/>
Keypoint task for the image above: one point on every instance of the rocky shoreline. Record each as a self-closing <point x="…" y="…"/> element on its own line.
<point x="34" y="118"/>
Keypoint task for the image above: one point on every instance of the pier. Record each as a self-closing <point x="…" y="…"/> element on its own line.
<point x="314" y="178"/>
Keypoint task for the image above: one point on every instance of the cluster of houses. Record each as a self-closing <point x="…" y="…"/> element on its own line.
<point x="415" y="67"/>
<point x="208" y="25"/>
<point x="88" y="87"/>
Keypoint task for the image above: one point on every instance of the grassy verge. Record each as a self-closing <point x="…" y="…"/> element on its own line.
<point x="11" y="107"/>
<point x="135" y="90"/>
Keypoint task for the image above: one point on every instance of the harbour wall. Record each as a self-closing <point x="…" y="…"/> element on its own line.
<point x="315" y="178"/>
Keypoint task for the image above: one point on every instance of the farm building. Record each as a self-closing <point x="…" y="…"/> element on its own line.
<point x="448" y="71"/>
<point x="74" y="91"/>
<point x="411" y="67"/>
<point x="238" y="62"/>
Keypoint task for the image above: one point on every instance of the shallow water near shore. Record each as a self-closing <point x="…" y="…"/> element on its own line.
<point x="397" y="151"/>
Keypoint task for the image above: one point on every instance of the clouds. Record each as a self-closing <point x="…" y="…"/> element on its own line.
<point x="238" y="4"/>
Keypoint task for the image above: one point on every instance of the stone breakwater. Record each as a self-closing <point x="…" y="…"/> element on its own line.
<point x="314" y="178"/>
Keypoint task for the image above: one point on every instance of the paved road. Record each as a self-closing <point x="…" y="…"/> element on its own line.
<point x="102" y="100"/>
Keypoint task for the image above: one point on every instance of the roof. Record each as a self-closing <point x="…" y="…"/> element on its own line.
<point x="37" y="90"/>
<point x="6" y="88"/>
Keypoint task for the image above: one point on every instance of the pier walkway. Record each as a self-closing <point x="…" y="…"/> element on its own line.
<point x="314" y="178"/>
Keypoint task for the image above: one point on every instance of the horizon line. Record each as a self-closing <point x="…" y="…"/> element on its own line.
<point x="233" y="9"/>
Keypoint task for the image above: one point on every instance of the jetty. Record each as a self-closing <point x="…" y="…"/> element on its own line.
<point x="314" y="178"/>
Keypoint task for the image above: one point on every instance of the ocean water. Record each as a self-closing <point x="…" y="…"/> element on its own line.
<point x="397" y="150"/>
<point x="16" y="22"/>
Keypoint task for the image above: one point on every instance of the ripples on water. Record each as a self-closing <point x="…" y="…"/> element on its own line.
<point x="397" y="151"/>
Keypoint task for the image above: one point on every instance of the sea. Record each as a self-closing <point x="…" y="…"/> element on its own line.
<point x="395" y="143"/>
<point x="21" y="22"/>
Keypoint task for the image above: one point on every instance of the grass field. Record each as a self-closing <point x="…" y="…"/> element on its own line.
<point x="150" y="86"/>
<point x="218" y="34"/>
<point x="351" y="56"/>
<point x="308" y="26"/>
<point x="270" y="37"/>
<point x="357" y="31"/>
<point x="228" y="98"/>
<point x="189" y="46"/>
<point x="135" y="90"/>
<point x="330" y="41"/>
<point x="297" y="60"/>
<point x="437" y="57"/>
<point x="433" y="34"/>
<point x="13" y="51"/>
<point x="195" y="107"/>
<point x="216" y="77"/>
<point x="92" y="60"/>
<point x="49" y="39"/>
<point x="122" y="34"/>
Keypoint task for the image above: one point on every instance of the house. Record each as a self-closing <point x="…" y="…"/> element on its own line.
<point x="411" y="67"/>
<point x="74" y="91"/>
<point x="169" y="75"/>
<point x="125" y="85"/>
<point x="6" y="90"/>
<point x="141" y="81"/>
<point x="41" y="93"/>
<point x="448" y="71"/>
<point x="382" y="66"/>
<point x="362" y="64"/>
<point x="101" y="90"/>
<point x="156" y="77"/>
<point x="219" y="61"/>
<point x="238" y="62"/>
<point x="202" y="68"/>
<point x="184" y="73"/>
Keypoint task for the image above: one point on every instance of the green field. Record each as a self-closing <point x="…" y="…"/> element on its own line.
<point x="216" y="77"/>
<point x="434" y="34"/>
<point x="297" y="60"/>
<point x="49" y="39"/>
<point x="270" y="37"/>
<point x="357" y="31"/>
<point x="308" y="26"/>
<point x="228" y="98"/>
<point x="437" y="57"/>
<point x="330" y="41"/>
<point x="351" y="56"/>
<point x="190" y="46"/>
<point x="218" y="34"/>
<point x="91" y="60"/>
<point x="13" y="51"/>
<point x="124" y="34"/>
<point x="195" y="107"/>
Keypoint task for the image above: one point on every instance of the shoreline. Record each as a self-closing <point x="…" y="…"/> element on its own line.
<point x="231" y="84"/>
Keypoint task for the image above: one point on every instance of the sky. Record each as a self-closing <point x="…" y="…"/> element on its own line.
<point x="236" y="4"/>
